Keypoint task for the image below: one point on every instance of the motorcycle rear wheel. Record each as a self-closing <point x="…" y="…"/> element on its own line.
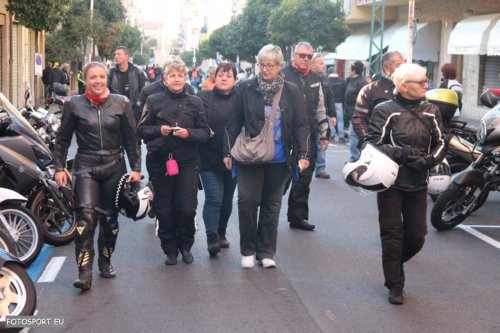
<point x="447" y="210"/>
<point x="57" y="229"/>
<point x="27" y="233"/>
<point x="18" y="292"/>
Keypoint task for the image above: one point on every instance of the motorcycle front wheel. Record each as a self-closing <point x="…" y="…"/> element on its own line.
<point x="17" y="292"/>
<point x="26" y="232"/>
<point x="447" y="210"/>
<point x="58" y="229"/>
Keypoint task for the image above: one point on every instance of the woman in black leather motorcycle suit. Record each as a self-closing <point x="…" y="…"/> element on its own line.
<point x="104" y="124"/>
<point x="409" y="130"/>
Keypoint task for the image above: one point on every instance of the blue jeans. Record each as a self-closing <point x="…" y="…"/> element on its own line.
<point x="339" y="108"/>
<point x="320" y="158"/>
<point x="353" y="145"/>
<point x="219" y="189"/>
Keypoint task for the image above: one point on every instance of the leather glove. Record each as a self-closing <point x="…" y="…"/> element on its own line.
<point x="408" y="154"/>
<point x="426" y="162"/>
<point x="360" y="142"/>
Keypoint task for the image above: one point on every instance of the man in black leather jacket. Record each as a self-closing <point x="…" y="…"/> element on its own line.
<point x="127" y="79"/>
<point x="409" y="130"/>
<point x="374" y="93"/>
<point x="310" y="86"/>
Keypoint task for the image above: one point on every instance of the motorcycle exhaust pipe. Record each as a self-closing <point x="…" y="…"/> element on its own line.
<point x="464" y="146"/>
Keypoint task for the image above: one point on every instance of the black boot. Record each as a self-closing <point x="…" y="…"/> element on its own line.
<point x="104" y="262"/>
<point x="84" y="281"/>
<point x="223" y="242"/>
<point x="213" y="245"/>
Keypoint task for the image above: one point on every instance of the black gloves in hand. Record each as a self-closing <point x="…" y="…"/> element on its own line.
<point x="420" y="162"/>
<point x="409" y="154"/>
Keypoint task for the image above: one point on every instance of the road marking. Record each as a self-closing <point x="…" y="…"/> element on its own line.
<point x="52" y="269"/>
<point x="36" y="267"/>
<point x="482" y="226"/>
<point x="480" y="235"/>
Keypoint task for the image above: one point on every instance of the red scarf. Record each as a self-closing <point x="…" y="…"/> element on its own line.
<point x="304" y="72"/>
<point x="96" y="100"/>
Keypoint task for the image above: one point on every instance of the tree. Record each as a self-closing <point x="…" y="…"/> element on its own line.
<point x="39" y="15"/>
<point x="140" y="59"/>
<point x="320" y="22"/>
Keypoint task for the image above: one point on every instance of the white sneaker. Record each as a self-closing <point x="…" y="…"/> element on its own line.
<point x="268" y="263"/>
<point x="247" y="262"/>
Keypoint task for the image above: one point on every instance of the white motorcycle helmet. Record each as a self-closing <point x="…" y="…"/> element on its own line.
<point x="439" y="178"/>
<point x="374" y="170"/>
<point x="132" y="200"/>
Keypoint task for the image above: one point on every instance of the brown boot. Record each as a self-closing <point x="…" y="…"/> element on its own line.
<point x="223" y="242"/>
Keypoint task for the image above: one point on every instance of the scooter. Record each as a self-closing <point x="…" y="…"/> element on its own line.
<point x="26" y="167"/>
<point x="17" y="291"/>
<point x="22" y="231"/>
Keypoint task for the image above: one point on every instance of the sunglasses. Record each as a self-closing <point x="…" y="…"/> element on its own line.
<point x="421" y="83"/>
<point x="303" y="56"/>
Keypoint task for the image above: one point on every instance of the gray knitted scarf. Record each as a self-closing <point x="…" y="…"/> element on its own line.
<point x="268" y="90"/>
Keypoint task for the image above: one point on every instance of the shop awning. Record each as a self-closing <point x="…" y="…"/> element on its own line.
<point x="356" y="46"/>
<point x="426" y="47"/>
<point x="493" y="48"/>
<point x="470" y="36"/>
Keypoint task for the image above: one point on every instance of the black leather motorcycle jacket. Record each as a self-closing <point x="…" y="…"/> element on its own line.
<point x="369" y="96"/>
<point x="102" y="130"/>
<point x="394" y="126"/>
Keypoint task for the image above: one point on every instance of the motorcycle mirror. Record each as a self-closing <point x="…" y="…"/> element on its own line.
<point x="488" y="98"/>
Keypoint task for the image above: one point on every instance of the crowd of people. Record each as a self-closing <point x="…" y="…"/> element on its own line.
<point x="306" y="107"/>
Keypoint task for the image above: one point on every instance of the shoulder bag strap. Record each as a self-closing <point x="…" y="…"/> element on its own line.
<point x="276" y="101"/>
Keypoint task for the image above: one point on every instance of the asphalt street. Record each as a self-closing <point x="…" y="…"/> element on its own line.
<point x="328" y="280"/>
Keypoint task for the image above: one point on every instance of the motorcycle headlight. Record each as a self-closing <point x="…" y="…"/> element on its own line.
<point x="481" y="133"/>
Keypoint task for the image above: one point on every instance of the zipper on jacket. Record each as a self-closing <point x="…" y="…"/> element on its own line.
<point x="100" y="126"/>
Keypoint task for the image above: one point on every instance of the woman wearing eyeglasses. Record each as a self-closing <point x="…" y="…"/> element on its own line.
<point x="261" y="185"/>
<point x="409" y="130"/>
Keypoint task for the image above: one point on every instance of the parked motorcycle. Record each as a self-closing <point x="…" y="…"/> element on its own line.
<point x="470" y="188"/>
<point x="17" y="291"/>
<point x="25" y="163"/>
<point x="45" y="123"/>
<point x="20" y="226"/>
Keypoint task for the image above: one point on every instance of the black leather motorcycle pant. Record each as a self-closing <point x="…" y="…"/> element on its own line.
<point x="95" y="191"/>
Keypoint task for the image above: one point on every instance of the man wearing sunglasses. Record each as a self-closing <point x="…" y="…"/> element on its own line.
<point x="310" y="86"/>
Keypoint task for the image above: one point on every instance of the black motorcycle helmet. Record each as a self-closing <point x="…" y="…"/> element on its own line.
<point x="132" y="200"/>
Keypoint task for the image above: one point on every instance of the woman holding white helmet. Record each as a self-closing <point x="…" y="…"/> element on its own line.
<point x="408" y="129"/>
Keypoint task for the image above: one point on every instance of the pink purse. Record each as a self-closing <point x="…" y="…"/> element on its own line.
<point x="172" y="167"/>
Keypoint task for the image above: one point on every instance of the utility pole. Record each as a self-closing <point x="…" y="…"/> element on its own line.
<point x="91" y="46"/>
<point x="411" y="31"/>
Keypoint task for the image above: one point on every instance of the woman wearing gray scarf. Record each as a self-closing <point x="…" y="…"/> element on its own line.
<point x="261" y="185"/>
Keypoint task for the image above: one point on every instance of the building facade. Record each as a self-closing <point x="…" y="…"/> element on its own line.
<point x="17" y="58"/>
<point x="466" y="33"/>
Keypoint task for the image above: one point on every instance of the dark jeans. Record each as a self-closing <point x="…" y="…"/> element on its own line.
<point x="219" y="190"/>
<point x="298" y="199"/>
<point x="402" y="219"/>
<point x="260" y="186"/>
<point x="175" y="202"/>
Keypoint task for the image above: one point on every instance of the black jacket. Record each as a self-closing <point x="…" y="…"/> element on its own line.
<point x="108" y="128"/>
<point x="338" y="86"/>
<point x="394" y="127"/>
<point x="136" y="79"/>
<point x="57" y="76"/>
<point x="369" y="96"/>
<point x="248" y="111"/>
<point x="354" y="85"/>
<point x="329" y="98"/>
<point x="309" y="86"/>
<point x="217" y="109"/>
<point x="167" y="108"/>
